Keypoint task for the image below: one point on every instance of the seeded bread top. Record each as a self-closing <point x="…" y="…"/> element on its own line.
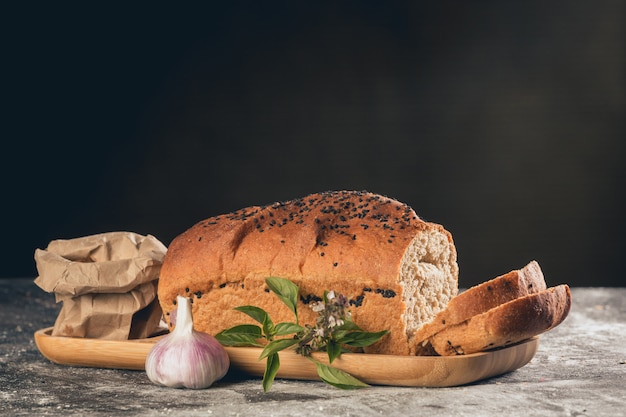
<point x="348" y="241"/>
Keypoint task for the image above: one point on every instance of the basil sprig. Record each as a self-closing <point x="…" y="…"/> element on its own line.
<point x="333" y="332"/>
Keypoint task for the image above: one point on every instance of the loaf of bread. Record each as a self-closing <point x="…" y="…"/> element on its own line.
<point x="397" y="270"/>
<point x="481" y="298"/>
<point x="506" y="324"/>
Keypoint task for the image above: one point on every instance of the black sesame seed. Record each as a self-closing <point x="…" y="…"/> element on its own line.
<point x="358" y="302"/>
<point x="198" y="294"/>
<point x="389" y="294"/>
<point x="309" y="298"/>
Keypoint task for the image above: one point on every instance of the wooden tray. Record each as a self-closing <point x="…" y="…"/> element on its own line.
<point x="410" y="371"/>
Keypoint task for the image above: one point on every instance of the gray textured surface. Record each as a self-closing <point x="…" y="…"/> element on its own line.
<point x="579" y="370"/>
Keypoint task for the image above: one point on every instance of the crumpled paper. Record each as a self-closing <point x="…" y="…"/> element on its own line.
<point x="106" y="282"/>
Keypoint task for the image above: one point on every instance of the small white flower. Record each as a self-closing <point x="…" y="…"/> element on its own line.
<point x="330" y="295"/>
<point x="317" y="307"/>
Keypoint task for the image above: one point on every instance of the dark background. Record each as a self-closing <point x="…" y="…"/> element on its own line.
<point x="503" y="121"/>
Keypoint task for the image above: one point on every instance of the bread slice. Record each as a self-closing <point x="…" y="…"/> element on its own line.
<point x="506" y="324"/>
<point x="481" y="298"/>
<point x="397" y="270"/>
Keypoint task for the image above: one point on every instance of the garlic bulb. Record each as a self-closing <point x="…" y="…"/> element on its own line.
<point x="185" y="357"/>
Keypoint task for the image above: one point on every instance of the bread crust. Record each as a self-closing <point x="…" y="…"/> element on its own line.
<point x="346" y="241"/>
<point x="506" y="324"/>
<point x="481" y="298"/>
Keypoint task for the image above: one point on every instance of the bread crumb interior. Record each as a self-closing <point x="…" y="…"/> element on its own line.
<point x="429" y="278"/>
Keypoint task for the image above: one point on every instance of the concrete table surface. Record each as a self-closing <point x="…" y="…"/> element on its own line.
<point x="579" y="370"/>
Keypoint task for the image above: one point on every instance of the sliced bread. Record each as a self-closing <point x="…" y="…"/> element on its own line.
<point x="481" y="298"/>
<point x="506" y="324"/>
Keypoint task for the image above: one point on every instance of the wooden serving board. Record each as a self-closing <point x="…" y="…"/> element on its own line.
<point x="409" y="371"/>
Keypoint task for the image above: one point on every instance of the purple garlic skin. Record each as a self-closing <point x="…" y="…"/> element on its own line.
<point x="186" y="358"/>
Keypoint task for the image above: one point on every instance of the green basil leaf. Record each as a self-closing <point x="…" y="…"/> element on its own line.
<point x="286" y="290"/>
<point x="262" y="317"/>
<point x="361" y="339"/>
<point x="283" y="329"/>
<point x="268" y="329"/>
<point x="276" y="346"/>
<point x="250" y="329"/>
<point x="334" y="350"/>
<point x="338" y="378"/>
<point x="237" y="340"/>
<point x="241" y="335"/>
<point x="348" y="325"/>
<point x="271" y="369"/>
<point x="338" y="334"/>
<point x="256" y="313"/>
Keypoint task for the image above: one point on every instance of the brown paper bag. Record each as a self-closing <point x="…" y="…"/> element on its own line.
<point x="107" y="283"/>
